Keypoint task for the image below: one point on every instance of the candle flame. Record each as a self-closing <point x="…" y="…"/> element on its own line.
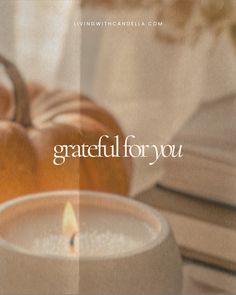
<point x="70" y="225"/>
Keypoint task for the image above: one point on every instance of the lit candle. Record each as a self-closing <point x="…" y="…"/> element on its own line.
<point x="71" y="242"/>
<point x="101" y="232"/>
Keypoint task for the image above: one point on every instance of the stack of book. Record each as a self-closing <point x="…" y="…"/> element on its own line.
<point x="197" y="194"/>
<point x="205" y="233"/>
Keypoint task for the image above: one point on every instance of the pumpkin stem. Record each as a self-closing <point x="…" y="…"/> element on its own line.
<point x="21" y="95"/>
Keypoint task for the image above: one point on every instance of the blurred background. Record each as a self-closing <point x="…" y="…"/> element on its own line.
<point x="173" y="83"/>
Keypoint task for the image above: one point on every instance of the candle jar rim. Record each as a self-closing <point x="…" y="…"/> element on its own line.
<point x="162" y="234"/>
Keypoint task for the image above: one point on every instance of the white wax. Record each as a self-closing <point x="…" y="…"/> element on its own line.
<point x="87" y="244"/>
<point x="103" y="231"/>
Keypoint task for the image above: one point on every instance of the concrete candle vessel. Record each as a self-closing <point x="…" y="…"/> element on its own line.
<point x="124" y="247"/>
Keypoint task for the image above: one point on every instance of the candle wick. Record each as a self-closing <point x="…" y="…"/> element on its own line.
<point x="72" y="242"/>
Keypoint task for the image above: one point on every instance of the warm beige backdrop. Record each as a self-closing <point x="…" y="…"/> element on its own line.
<point x="150" y="86"/>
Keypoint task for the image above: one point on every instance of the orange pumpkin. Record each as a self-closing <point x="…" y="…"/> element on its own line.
<point x="39" y="121"/>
